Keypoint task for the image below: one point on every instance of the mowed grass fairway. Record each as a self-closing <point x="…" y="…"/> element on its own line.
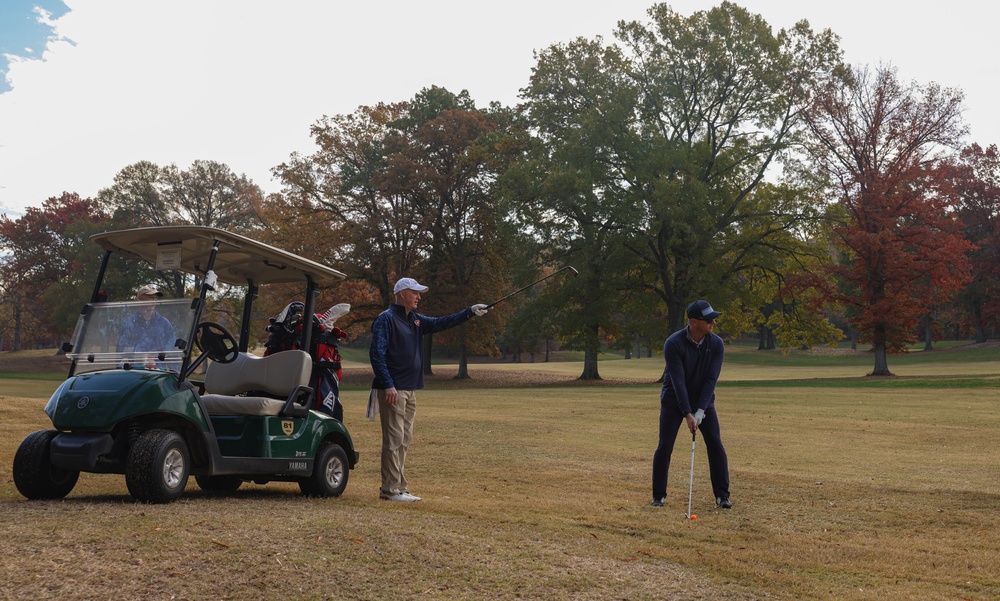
<point x="844" y="487"/>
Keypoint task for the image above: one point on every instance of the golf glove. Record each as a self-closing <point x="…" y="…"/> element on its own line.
<point x="479" y="310"/>
<point x="698" y="416"/>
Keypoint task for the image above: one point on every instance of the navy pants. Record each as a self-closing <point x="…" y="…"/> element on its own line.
<point x="671" y="421"/>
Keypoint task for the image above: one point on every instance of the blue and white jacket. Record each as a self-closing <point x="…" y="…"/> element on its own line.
<point x="395" y="347"/>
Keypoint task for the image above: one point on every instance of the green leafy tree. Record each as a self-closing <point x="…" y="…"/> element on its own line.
<point x="719" y="100"/>
<point x="577" y="102"/>
<point x="529" y="323"/>
<point x="208" y="193"/>
<point x="668" y="137"/>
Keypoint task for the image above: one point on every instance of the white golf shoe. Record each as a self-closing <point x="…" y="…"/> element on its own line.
<point x="402" y="497"/>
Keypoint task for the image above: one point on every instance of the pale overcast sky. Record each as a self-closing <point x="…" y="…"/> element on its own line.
<point x="95" y="85"/>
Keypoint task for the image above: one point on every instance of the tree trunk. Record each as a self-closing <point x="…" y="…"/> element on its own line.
<point x="590" y="366"/>
<point x="16" y="345"/>
<point x="980" y="328"/>
<point x="881" y="366"/>
<point x="178" y="284"/>
<point x="463" y="356"/>
<point x="765" y="338"/>
<point x="592" y="346"/>
<point x="463" y="366"/>
<point x="427" y="344"/>
<point x="676" y="319"/>
<point x="928" y="339"/>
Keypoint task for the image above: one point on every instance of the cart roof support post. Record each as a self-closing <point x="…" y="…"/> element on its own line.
<point x="312" y="292"/>
<point x="248" y="301"/>
<point x="201" y="307"/>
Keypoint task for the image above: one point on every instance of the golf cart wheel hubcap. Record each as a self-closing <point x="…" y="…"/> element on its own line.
<point x="173" y="468"/>
<point x="334" y="472"/>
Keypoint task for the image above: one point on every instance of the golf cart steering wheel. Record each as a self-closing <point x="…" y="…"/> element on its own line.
<point x="217" y="342"/>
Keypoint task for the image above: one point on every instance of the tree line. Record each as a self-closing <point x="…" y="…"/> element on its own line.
<point x="701" y="156"/>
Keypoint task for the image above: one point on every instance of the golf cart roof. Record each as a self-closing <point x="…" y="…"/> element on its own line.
<point x="240" y="260"/>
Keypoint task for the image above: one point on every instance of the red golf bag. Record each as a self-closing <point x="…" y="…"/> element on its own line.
<point x="286" y="334"/>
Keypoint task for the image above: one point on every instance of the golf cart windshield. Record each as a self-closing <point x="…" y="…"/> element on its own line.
<point x="133" y="334"/>
<point x="108" y="334"/>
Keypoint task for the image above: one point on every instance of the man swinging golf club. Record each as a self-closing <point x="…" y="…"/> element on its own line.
<point x="693" y="357"/>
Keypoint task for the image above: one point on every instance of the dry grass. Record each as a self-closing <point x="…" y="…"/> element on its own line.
<point x="542" y="493"/>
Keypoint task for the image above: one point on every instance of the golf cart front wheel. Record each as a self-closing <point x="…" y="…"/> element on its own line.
<point x="34" y="474"/>
<point x="330" y="472"/>
<point x="157" y="467"/>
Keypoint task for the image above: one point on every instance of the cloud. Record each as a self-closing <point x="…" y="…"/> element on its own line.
<point x="242" y="82"/>
<point x="25" y="27"/>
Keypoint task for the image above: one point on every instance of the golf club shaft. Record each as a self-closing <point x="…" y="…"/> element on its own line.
<point x="520" y="290"/>
<point x="691" y="479"/>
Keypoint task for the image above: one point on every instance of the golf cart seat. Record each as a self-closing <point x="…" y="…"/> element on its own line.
<point x="284" y="375"/>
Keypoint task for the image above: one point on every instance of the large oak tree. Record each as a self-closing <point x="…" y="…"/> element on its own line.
<point x="884" y="145"/>
<point x="719" y="100"/>
<point x="657" y="148"/>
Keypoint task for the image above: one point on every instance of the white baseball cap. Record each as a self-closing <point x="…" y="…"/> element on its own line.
<point x="148" y="290"/>
<point x="408" y="284"/>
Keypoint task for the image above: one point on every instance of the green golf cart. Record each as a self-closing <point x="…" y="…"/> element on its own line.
<point x="134" y="407"/>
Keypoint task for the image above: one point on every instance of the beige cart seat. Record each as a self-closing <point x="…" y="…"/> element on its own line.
<point x="278" y="374"/>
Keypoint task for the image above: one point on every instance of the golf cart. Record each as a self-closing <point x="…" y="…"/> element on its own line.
<point x="132" y="408"/>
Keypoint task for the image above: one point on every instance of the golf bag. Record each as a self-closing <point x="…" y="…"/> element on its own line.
<point x="286" y="334"/>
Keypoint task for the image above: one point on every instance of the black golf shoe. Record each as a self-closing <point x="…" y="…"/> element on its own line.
<point x="723" y="503"/>
<point x="658" y="502"/>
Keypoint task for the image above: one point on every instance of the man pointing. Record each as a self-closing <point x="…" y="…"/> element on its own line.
<point x="398" y="367"/>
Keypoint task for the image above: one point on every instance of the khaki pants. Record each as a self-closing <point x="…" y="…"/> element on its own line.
<point x="397" y="433"/>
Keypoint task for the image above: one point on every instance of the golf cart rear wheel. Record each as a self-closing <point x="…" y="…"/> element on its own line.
<point x="157" y="467"/>
<point x="330" y="472"/>
<point x="218" y="484"/>
<point x="34" y="474"/>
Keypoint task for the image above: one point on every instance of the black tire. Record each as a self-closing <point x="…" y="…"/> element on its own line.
<point x="218" y="484"/>
<point x="330" y="473"/>
<point x="157" y="467"/>
<point x="34" y="474"/>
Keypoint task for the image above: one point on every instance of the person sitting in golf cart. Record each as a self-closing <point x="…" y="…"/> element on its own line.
<point x="146" y="332"/>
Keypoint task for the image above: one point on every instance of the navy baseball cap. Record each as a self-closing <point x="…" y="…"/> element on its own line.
<point x="700" y="309"/>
